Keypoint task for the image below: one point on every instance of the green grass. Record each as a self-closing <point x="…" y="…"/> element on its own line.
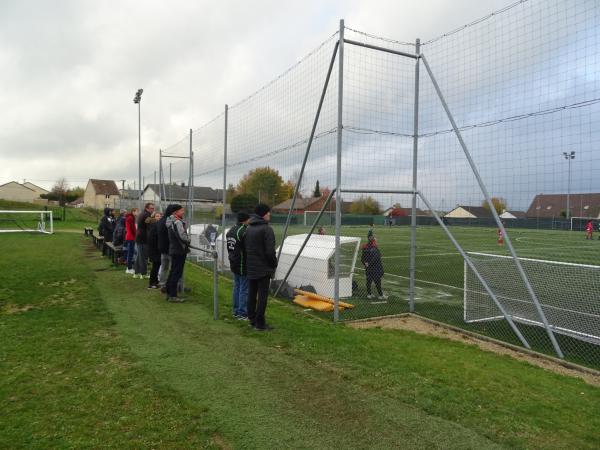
<point x="90" y="358"/>
<point x="440" y="277"/>
<point x="64" y="218"/>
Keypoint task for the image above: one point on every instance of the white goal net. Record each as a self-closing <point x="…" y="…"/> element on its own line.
<point x="569" y="294"/>
<point x="328" y="218"/>
<point x="580" y="224"/>
<point x="26" y="221"/>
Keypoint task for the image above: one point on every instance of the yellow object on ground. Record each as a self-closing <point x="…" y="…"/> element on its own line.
<point x="317" y="305"/>
<point x="316" y="297"/>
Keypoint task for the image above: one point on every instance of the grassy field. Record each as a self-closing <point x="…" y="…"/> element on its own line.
<point x="90" y="358"/>
<point x="440" y="281"/>
<point x="64" y="218"/>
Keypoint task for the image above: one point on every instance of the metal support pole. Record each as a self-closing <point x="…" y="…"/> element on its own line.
<point x="140" y="153"/>
<point x="569" y="192"/>
<point x="224" y="196"/>
<point x="308" y="146"/>
<point x="191" y="184"/>
<point x="160" y="181"/>
<point x="171" y="181"/>
<point x="314" y="225"/>
<point x="413" y="213"/>
<point x="215" y="287"/>
<point x="494" y="212"/>
<point x="153" y="191"/>
<point x="338" y="182"/>
<point x="476" y="272"/>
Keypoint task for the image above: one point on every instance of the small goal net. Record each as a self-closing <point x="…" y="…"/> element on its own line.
<point x="569" y="294"/>
<point x="26" y="221"/>
<point x="328" y="218"/>
<point x="580" y="224"/>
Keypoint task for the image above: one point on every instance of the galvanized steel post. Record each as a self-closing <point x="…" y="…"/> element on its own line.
<point x="338" y="183"/>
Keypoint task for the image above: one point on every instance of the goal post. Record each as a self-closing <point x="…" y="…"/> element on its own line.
<point x="569" y="294"/>
<point x="579" y="223"/>
<point x="328" y="218"/>
<point x="26" y="221"/>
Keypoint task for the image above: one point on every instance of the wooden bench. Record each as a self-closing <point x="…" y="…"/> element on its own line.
<point x="88" y="231"/>
<point x="98" y="241"/>
<point x="114" y="252"/>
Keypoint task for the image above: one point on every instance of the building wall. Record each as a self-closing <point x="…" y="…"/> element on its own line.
<point x="460" y="213"/>
<point x="98" y="201"/>
<point x="17" y="193"/>
<point x="36" y="189"/>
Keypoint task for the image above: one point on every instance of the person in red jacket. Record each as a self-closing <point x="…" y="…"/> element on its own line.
<point x="589" y="230"/>
<point x="130" y="232"/>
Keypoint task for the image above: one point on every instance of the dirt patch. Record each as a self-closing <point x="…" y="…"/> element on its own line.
<point x="16" y="309"/>
<point x="417" y="325"/>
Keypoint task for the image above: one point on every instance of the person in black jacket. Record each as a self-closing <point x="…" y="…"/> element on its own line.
<point x="163" y="247"/>
<point x="141" y="243"/>
<point x="107" y="225"/>
<point x="259" y="243"/>
<point x="179" y="246"/>
<point x="153" y="250"/>
<point x="237" y="264"/>
<point x="371" y="259"/>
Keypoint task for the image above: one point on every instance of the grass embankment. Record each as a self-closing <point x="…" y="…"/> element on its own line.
<point x="91" y="358"/>
<point x="64" y="218"/>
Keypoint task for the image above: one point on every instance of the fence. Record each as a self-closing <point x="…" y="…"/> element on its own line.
<point x="487" y="117"/>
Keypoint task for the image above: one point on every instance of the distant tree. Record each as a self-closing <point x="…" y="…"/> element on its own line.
<point x="265" y="184"/>
<point x="365" y="205"/>
<point x="317" y="191"/>
<point x="243" y="202"/>
<point x="60" y="190"/>
<point x="230" y="193"/>
<point x="499" y="204"/>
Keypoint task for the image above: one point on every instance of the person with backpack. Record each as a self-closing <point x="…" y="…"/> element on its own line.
<point x="130" y="232"/>
<point x="259" y="243"/>
<point x="141" y="243"/>
<point x="163" y="247"/>
<point x="179" y="247"/>
<point x="237" y="264"/>
<point x="153" y="250"/>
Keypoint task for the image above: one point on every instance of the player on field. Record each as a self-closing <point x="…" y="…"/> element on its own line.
<point x="589" y="230"/>
<point x="500" y="237"/>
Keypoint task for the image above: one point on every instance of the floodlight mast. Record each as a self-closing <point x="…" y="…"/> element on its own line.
<point x="138" y="100"/>
<point x="569" y="157"/>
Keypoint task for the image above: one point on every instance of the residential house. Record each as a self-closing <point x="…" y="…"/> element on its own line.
<point x="100" y="194"/>
<point x="555" y="205"/>
<point x="469" y="212"/>
<point x="204" y="197"/>
<point x="513" y="215"/>
<point x="17" y="192"/>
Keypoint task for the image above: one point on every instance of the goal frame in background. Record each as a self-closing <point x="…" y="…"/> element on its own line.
<point x="41" y="225"/>
<point x="519" y="313"/>
<point x="595" y="221"/>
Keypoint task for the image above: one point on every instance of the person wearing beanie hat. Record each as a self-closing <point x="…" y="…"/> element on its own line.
<point x="179" y="246"/>
<point x="259" y="244"/>
<point x="237" y="264"/>
<point x="163" y="247"/>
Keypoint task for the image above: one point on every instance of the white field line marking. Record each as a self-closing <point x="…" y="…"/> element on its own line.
<point x="420" y="281"/>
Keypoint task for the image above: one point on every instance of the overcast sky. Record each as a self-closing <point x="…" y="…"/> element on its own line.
<point x="69" y="70"/>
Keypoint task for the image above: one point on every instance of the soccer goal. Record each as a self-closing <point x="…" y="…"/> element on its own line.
<point x="569" y="294"/>
<point x="26" y="221"/>
<point x="328" y="218"/>
<point x="579" y="223"/>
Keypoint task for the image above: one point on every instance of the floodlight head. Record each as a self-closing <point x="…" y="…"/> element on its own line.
<point x="138" y="96"/>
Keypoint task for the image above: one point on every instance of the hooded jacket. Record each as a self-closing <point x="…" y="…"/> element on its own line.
<point x="179" y="240"/>
<point x="371" y="258"/>
<point x="130" y="227"/>
<point x="152" y="238"/>
<point x="142" y="232"/>
<point x="259" y="243"/>
<point x="162" y="232"/>
<point x="119" y="233"/>
<point x="235" y="249"/>
<point x="107" y="225"/>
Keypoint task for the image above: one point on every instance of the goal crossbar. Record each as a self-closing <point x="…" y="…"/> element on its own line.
<point x="18" y="224"/>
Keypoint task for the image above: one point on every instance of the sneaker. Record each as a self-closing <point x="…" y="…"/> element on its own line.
<point x="175" y="299"/>
<point x="242" y="318"/>
<point x="153" y="286"/>
<point x="264" y="328"/>
<point x="129" y="271"/>
<point x="369" y="296"/>
<point x="383" y="297"/>
<point x="145" y="276"/>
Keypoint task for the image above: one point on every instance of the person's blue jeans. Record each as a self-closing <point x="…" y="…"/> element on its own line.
<point x="240" y="295"/>
<point x="129" y="248"/>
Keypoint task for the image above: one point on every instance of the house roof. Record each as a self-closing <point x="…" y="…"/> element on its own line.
<point x="178" y="192"/>
<point x="517" y="214"/>
<point x="301" y="203"/>
<point x="551" y="205"/>
<point x="402" y="212"/>
<point x="104" y="187"/>
<point x="477" y="211"/>
<point x="18" y="184"/>
<point x="35" y="187"/>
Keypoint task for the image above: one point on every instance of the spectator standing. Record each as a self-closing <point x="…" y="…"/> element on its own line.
<point x="237" y="264"/>
<point x="163" y="246"/>
<point x="259" y="243"/>
<point x="371" y="259"/>
<point x="107" y="225"/>
<point x="153" y="250"/>
<point x="130" y="232"/>
<point x="141" y="243"/>
<point x="119" y="233"/>
<point x="179" y="246"/>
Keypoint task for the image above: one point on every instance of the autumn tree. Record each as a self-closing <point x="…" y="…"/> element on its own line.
<point x="265" y="184"/>
<point x="229" y="193"/>
<point x="243" y="202"/>
<point x="365" y="205"/>
<point x="499" y="204"/>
